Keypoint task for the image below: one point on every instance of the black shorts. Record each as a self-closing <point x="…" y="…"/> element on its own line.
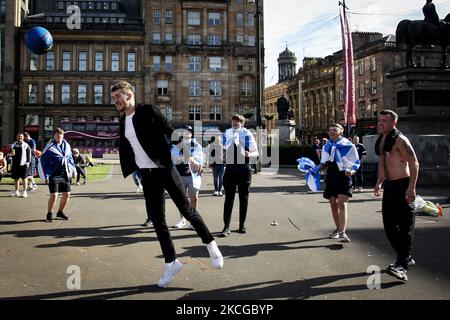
<point x="19" y="172"/>
<point x="336" y="186"/>
<point x="59" y="184"/>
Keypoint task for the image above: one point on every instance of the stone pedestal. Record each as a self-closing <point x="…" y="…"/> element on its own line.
<point x="286" y="131"/>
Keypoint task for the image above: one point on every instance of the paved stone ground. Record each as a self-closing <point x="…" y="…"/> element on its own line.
<point x="119" y="259"/>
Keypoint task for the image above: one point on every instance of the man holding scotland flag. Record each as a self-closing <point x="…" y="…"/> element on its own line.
<point x="340" y="158"/>
<point x="56" y="167"/>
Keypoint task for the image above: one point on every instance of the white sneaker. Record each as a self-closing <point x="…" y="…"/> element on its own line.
<point x="343" y="238"/>
<point x="216" y="193"/>
<point x="140" y="189"/>
<point x="24" y="194"/>
<point x="15" y="193"/>
<point x="170" y="270"/>
<point x="220" y="194"/>
<point x="181" y="224"/>
<point x="216" y="256"/>
<point x="360" y="189"/>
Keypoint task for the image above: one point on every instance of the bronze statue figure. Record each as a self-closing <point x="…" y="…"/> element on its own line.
<point x="284" y="109"/>
<point x="424" y="32"/>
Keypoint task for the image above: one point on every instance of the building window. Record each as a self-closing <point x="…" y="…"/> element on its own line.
<point x="215" y="113"/>
<point x="374" y="108"/>
<point x="215" y="88"/>
<point x="168" y="18"/>
<point x="362" y="110"/>
<point x="373" y="64"/>
<point x="156" y="63"/>
<point x="65" y="94"/>
<point x="246" y="88"/>
<point x="194" y="18"/>
<point x="115" y="61"/>
<point x="331" y="95"/>
<point x="251" y="20"/>
<point x="82" y="61"/>
<point x="240" y="64"/>
<point x="373" y="86"/>
<point x="131" y="62"/>
<point x="341" y="94"/>
<point x="194" y="64"/>
<point x="32" y="93"/>
<point x="251" y="41"/>
<point x="162" y="87"/>
<point x="195" y="89"/>
<point x="168" y="113"/>
<point x="98" y="94"/>
<point x="82" y="93"/>
<point x="99" y="61"/>
<point x="168" y="63"/>
<point x="67" y="58"/>
<point x="214" y="40"/>
<point x="156" y="39"/>
<point x="361" y="67"/>
<point x="252" y="64"/>
<point x="239" y="38"/>
<point x="213" y="19"/>
<point x="361" y="89"/>
<point x="156" y="16"/>
<point x="168" y="37"/>
<point x="239" y="19"/>
<point x="194" y="39"/>
<point x="341" y="73"/>
<point x="50" y="61"/>
<point x="397" y="61"/>
<point x="215" y="64"/>
<point x="49" y="93"/>
<point x="195" y="113"/>
<point x="419" y="60"/>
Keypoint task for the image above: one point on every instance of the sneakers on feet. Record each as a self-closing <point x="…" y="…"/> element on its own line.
<point x="410" y="263"/>
<point x="139" y="189"/>
<point x="242" y="229"/>
<point x="15" y="193"/>
<point x="343" y="238"/>
<point x="216" y="193"/>
<point x="24" y="194"/>
<point x="216" y="256"/>
<point x="399" y="272"/>
<point x="77" y="183"/>
<point x="49" y="217"/>
<point x="335" y="234"/>
<point x="181" y="224"/>
<point x="170" y="270"/>
<point x="147" y="223"/>
<point x="360" y="189"/>
<point x="62" y="216"/>
<point x="220" y="194"/>
<point x="225" y="232"/>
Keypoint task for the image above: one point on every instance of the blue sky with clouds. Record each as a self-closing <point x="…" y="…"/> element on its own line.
<point x="312" y="27"/>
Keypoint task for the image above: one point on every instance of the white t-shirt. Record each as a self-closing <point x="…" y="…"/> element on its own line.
<point x="140" y="156"/>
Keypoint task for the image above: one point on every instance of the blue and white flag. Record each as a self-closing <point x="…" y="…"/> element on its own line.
<point x="343" y="152"/>
<point x="53" y="157"/>
<point x="312" y="173"/>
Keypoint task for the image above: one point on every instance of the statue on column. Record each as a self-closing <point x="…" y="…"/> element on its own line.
<point x="284" y="109"/>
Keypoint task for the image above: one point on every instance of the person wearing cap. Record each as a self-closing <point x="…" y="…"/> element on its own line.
<point x="145" y="136"/>
<point x="80" y="165"/>
<point x="187" y="155"/>
<point x="240" y="149"/>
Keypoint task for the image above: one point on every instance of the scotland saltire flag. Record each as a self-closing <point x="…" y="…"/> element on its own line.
<point x="53" y="157"/>
<point x="343" y="152"/>
<point x="312" y="173"/>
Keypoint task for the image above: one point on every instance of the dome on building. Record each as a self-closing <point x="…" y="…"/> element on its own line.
<point x="286" y="65"/>
<point x="287" y="53"/>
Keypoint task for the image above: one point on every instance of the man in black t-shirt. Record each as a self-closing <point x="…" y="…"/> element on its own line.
<point x="358" y="176"/>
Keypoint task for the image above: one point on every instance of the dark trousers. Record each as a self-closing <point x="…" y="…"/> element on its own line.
<point x="154" y="181"/>
<point x="80" y="173"/>
<point x="398" y="219"/>
<point x="239" y="176"/>
<point x="357" y="179"/>
<point x="218" y="171"/>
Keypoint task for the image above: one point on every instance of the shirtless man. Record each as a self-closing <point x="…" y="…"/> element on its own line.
<point x="399" y="170"/>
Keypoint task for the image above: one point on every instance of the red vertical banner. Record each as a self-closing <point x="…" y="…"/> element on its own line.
<point x="349" y="74"/>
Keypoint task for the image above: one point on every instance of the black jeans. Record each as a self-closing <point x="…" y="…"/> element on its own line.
<point x="154" y="181"/>
<point x="357" y="179"/>
<point x="239" y="176"/>
<point x="398" y="219"/>
<point x="80" y="173"/>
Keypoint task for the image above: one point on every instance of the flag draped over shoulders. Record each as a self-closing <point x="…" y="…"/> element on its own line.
<point x="53" y="157"/>
<point x="312" y="173"/>
<point x="343" y="152"/>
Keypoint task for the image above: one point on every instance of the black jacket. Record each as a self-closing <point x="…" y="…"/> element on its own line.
<point x="153" y="132"/>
